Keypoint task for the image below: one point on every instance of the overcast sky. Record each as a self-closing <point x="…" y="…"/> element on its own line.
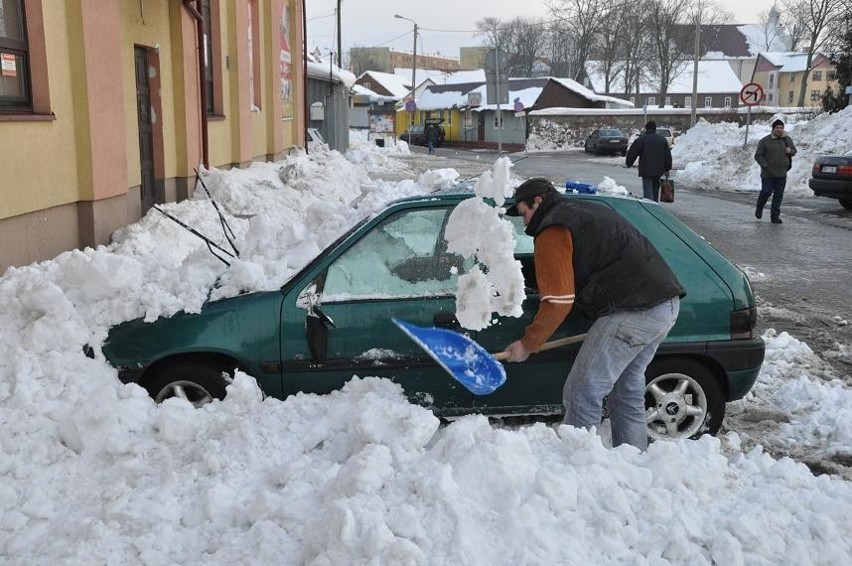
<point x="366" y="24"/>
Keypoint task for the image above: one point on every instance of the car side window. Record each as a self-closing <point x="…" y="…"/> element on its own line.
<point x="404" y="256"/>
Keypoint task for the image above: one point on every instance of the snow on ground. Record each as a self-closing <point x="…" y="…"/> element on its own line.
<point x="93" y="472"/>
<point x="725" y="165"/>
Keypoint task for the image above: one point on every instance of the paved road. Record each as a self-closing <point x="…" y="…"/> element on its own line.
<point x="800" y="270"/>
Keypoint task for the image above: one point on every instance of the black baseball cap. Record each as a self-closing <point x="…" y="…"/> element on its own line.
<point x="527" y="190"/>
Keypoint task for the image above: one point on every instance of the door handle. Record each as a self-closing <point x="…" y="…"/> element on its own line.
<point x="445" y="320"/>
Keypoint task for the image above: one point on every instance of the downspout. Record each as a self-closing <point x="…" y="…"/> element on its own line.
<point x="195" y="12"/>
<point x="305" y="72"/>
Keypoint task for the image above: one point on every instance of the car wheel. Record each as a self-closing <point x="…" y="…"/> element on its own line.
<point x="846" y="203"/>
<point x="197" y="382"/>
<point x="683" y="399"/>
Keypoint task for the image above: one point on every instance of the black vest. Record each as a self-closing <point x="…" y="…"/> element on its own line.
<point x="615" y="267"/>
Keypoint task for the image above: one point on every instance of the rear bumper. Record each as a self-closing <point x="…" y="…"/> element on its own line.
<point x="833" y="188"/>
<point x="739" y="359"/>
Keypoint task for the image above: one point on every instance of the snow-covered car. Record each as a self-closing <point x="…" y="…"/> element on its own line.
<point x="333" y="320"/>
<point x="831" y="176"/>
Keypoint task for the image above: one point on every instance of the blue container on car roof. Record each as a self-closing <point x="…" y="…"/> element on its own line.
<point x="579" y="187"/>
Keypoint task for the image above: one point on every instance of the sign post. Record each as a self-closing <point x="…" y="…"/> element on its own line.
<point x="751" y="94"/>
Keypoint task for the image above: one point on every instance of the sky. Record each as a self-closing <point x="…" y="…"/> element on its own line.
<point x="93" y="472"/>
<point x="365" y="26"/>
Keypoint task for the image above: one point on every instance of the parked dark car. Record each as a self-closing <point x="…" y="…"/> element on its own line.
<point x="831" y="177"/>
<point x="418" y="132"/>
<point x="606" y="140"/>
<point x="396" y="265"/>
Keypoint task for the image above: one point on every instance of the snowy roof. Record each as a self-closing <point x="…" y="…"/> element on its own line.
<point x="762" y="38"/>
<point x="317" y="69"/>
<point x="787" y="61"/>
<point x="524" y="90"/>
<point x="362" y="94"/>
<point x="713" y="77"/>
<point x="394" y="84"/>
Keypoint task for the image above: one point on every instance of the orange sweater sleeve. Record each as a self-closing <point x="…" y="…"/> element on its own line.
<point x="554" y="272"/>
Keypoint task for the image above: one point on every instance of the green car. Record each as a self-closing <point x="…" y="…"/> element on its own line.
<point x="333" y="321"/>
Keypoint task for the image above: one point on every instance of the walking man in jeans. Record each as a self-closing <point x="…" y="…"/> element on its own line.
<point x="590" y="254"/>
<point x="655" y="160"/>
<point x="775" y="156"/>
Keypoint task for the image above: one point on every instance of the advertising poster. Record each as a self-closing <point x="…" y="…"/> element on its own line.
<point x="285" y="64"/>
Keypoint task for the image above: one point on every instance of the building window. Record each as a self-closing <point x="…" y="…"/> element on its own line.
<point x="14" y="56"/>
<point x="769" y="97"/>
<point x="816" y="95"/>
<point x="830" y="75"/>
<point x="668" y="101"/>
<point x="212" y="56"/>
<point x="727" y="102"/>
<point x="632" y="100"/>
<point x="816" y="76"/>
<point x="687" y="102"/>
<point x="651" y="101"/>
<point x="771" y="80"/>
<point x="708" y="102"/>
<point x="789" y="97"/>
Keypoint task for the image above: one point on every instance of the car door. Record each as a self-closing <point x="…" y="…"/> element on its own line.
<point x="535" y="386"/>
<point x="337" y="321"/>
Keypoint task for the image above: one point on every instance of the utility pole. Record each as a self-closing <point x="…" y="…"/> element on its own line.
<point x="413" y="72"/>
<point x="695" y="68"/>
<point x="339" y="38"/>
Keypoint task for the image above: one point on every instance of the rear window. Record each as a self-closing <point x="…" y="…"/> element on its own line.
<point x="611" y="132"/>
<point x="666" y="133"/>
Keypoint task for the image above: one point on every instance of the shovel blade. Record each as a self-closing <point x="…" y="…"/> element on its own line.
<point x="465" y="360"/>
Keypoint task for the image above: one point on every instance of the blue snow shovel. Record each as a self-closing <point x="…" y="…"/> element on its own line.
<point x="466" y="361"/>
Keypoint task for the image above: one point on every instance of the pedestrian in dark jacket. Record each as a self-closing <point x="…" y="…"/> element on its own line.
<point x="655" y="159"/>
<point x="432" y="137"/>
<point x="775" y="156"/>
<point x="591" y="253"/>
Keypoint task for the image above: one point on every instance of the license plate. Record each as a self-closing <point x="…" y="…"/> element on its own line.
<point x="614" y="141"/>
<point x="829" y="169"/>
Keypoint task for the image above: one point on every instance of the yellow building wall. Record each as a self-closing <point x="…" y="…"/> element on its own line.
<point x="39" y="158"/>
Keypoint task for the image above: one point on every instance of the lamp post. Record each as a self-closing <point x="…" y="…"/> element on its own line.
<point x="413" y="71"/>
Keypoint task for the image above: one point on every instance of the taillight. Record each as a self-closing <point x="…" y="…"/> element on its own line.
<point x="845" y="170"/>
<point x="815" y="169"/>
<point x="743" y="323"/>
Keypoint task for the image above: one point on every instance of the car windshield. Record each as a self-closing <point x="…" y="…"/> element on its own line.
<point x="666" y="133"/>
<point x="612" y="133"/>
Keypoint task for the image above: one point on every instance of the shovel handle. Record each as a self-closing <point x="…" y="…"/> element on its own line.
<point x="548" y="345"/>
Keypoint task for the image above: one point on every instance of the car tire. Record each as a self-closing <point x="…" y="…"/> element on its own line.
<point x="683" y="399"/>
<point x="197" y="382"/>
<point x="846" y="203"/>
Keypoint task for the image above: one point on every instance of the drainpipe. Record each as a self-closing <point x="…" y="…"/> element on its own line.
<point x="305" y="72"/>
<point x="194" y="9"/>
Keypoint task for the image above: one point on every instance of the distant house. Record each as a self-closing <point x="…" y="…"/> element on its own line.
<point x="781" y="75"/>
<point x="374" y="98"/>
<point x="386" y="60"/>
<point x="469" y="119"/>
<point x="737" y="44"/>
<point x="718" y="86"/>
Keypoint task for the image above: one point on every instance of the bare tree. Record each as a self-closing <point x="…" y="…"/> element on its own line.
<point x="611" y="40"/>
<point x="583" y="18"/>
<point x="522" y="41"/>
<point x="560" y="48"/>
<point x="664" y="18"/>
<point x="636" y="50"/>
<point x="771" y="30"/>
<point x="816" y="17"/>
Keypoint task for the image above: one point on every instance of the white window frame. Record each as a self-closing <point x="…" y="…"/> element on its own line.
<point x="708" y="102"/>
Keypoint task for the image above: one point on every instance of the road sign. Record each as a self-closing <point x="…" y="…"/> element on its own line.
<point x="410" y="105"/>
<point x="751" y="94"/>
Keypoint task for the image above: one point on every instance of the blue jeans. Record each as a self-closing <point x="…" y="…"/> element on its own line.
<point x="775" y="188"/>
<point x="612" y="362"/>
<point x="651" y="188"/>
<point x="431" y="146"/>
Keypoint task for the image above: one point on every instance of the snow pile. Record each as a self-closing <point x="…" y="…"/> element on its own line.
<point x="725" y="165"/>
<point x="93" y="472"/>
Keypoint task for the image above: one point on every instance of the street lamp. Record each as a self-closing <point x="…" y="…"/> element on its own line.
<point x="414" y="58"/>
